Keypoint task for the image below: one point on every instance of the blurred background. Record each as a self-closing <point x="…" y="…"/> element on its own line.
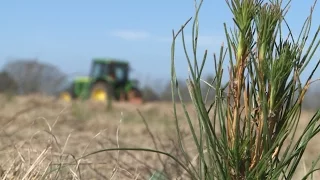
<point x="45" y="44"/>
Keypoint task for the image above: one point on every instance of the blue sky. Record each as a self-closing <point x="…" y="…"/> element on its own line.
<point x="70" y="33"/>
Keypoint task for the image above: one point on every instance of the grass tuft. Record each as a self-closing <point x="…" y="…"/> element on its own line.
<point x="260" y="106"/>
<point x="249" y="131"/>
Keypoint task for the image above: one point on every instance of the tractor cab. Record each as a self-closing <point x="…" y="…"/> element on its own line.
<point x="114" y="71"/>
<point x="114" y="74"/>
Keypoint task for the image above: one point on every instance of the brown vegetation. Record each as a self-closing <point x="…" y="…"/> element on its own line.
<point x="41" y="137"/>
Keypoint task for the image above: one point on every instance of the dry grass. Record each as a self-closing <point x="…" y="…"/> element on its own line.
<point x="43" y="139"/>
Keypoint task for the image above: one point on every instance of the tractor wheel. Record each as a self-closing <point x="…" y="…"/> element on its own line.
<point x="122" y="96"/>
<point x="135" y="96"/>
<point x="101" y="92"/>
<point x="65" y="96"/>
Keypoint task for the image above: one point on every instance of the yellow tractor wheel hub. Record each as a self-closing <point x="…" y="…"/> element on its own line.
<point x="99" y="95"/>
<point x="65" y="96"/>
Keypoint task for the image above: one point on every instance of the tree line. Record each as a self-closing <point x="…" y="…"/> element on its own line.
<point x="29" y="76"/>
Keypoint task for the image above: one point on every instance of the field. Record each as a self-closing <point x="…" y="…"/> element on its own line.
<point x="42" y="138"/>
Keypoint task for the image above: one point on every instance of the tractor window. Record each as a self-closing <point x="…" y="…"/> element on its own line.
<point x="120" y="73"/>
<point x="98" y="70"/>
<point x="95" y="71"/>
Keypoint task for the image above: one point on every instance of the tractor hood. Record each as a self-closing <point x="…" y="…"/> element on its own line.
<point x="82" y="79"/>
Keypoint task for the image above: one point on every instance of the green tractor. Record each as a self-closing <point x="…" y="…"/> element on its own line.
<point x="108" y="80"/>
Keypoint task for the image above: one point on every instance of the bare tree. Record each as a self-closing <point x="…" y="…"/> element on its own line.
<point x="33" y="76"/>
<point x="149" y="94"/>
<point x="311" y="101"/>
<point x="7" y="83"/>
<point x="166" y="94"/>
